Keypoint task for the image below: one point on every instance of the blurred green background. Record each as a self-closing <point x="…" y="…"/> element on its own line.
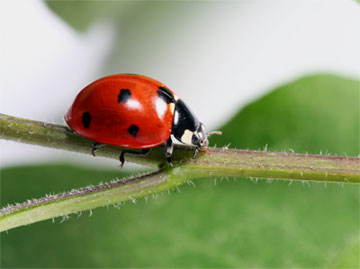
<point x="227" y="223"/>
<point x="238" y="223"/>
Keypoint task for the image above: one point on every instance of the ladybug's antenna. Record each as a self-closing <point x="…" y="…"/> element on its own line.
<point x="214" y="132"/>
<point x="208" y="134"/>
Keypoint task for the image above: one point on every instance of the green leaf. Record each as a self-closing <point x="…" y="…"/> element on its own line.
<point x="349" y="253"/>
<point x="314" y="114"/>
<point x="81" y="14"/>
<point x="227" y="223"/>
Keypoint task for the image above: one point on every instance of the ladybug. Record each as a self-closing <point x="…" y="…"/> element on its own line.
<point x="134" y="112"/>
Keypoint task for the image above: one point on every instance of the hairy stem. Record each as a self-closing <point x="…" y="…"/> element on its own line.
<point x="221" y="162"/>
<point x="76" y="201"/>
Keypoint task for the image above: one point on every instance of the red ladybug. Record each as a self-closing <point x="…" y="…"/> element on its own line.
<point x="135" y="112"/>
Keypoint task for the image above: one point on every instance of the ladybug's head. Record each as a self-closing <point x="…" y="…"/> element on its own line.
<point x="199" y="137"/>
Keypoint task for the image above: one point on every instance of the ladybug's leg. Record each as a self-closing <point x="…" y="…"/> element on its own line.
<point x="95" y="146"/>
<point x="196" y="152"/>
<point x="122" y="155"/>
<point x="169" y="146"/>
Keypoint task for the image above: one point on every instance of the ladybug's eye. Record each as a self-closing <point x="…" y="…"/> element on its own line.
<point x="195" y="139"/>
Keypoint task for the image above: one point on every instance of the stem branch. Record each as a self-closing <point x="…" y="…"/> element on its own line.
<point x="221" y="162"/>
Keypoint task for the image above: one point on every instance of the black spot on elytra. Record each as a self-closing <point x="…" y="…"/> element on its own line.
<point x="133" y="129"/>
<point x="124" y="95"/>
<point x="166" y="90"/>
<point x="163" y="93"/>
<point x="86" y="120"/>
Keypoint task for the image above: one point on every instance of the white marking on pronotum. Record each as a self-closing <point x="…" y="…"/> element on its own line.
<point x="187" y="137"/>
<point x="176" y="118"/>
<point x="172" y="107"/>
<point x="160" y="107"/>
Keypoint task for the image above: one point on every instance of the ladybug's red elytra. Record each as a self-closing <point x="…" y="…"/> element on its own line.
<point x="134" y="112"/>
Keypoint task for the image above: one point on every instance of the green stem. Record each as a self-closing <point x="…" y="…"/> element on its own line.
<point x="88" y="198"/>
<point x="221" y="162"/>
